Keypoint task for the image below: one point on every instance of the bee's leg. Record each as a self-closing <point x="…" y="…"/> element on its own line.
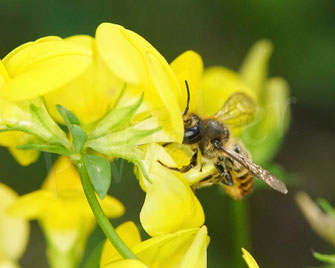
<point x="224" y="173"/>
<point x="192" y="164"/>
<point x="205" y="182"/>
<point x="166" y="144"/>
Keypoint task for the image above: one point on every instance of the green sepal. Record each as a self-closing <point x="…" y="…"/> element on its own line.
<point x="44" y="127"/>
<point x="56" y="149"/>
<point x="68" y="117"/>
<point x="73" y="124"/>
<point x="115" y="119"/>
<point x="99" y="172"/>
<point x="330" y="259"/>
<point x="79" y="138"/>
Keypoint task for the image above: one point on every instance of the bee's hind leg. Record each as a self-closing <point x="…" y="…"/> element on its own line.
<point x="192" y="164"/>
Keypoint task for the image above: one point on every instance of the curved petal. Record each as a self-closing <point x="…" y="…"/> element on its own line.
<point x="254" y="68"/>
<point x="136" y="62"/>
<point x="120" y="54"/>
<point x="188" y="67"/>
<point x="13" y="232"/>
<point x="39" y="67"/>
<point x="216" y="86"/>
<point x="183" y="249"/>
<point x="249" y="259"/>
<point x="170" y="204"/>
<point x="129" y="234"/>
<point x="112" y="207"/>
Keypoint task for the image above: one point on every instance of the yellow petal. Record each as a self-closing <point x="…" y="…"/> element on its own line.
<point x="63" y="177"/>
<point x="30" y="206"/>
<point x="129" y="234"/>
<point x="196" y="256"/>
<point x="112" y="207"/>
<point x="12" y="139"/>
<point x="174" y="250"/>
<point x="128" y="263"/>
<point x="13" y="232"/>
<point x="96" y="89"/>
<point x="254" y="68"/>
<point x="4" y="77"/>
<point x="166" y="102"/>
<point x="170" y="204"/>
<point x="216" y="86"/>
<point x="23" y="157"/>
<point x="39" y="67"/>
<point x="120" y="54"/>
<point x="140" y="65"/>
<point x="188" y="66"/>
<point x="249" y="259"/>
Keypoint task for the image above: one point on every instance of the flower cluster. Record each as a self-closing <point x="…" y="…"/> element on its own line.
<point x="118" y="97"/>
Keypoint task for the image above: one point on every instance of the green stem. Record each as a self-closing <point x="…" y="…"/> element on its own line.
<point x="99" y="214"/>
<point x="240" y="230"/>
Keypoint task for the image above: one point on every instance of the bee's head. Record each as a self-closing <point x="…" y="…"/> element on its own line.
<point x="193" y="128"/>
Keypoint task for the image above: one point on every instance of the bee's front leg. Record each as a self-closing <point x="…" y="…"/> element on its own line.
<point x="192" y="164"/>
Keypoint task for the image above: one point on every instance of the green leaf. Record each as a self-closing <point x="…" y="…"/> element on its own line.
<point x="68" y="117"/>
<point x="79" y="138"/>
<point x="99" y="172"/>
<point x="325" y="257"/>
<point x="56" y="149"/>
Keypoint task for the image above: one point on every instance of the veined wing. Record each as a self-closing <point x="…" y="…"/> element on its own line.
<point x="238" y="110"/>
<point x="256" y="170"/>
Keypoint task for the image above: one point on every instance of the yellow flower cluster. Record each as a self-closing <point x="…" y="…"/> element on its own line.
<point x="87" y="75"/>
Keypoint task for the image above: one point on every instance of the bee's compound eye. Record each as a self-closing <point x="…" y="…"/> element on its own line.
<point x="192" y="135"/>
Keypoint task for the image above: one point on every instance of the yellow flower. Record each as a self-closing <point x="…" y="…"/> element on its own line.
<point x="94" y="70"/>
<point x="13" y="232"/>
<point x="61" y="208"/>
<point x="249" y="259"/>
<point x="86" y="75"/>
<point x="170" y="205"/>
<point x="183" y="249"/>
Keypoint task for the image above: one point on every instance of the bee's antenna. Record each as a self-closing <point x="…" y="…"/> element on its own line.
<point x="188" y="98"/>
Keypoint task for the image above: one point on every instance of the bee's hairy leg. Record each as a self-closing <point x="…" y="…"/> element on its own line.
<point x="192" y="164"/>
<point x="205" y="182"/>
<point x="225" y="174"/>
<point x="166" y="144"/>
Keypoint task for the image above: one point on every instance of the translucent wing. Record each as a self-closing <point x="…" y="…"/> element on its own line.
<point x="256" y="170"/>
<point x="237" y="111"/>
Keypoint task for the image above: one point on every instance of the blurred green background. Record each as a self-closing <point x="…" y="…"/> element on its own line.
<point x="303" y="34"/>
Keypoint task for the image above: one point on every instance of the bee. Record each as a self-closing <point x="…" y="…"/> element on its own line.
<point x="234" y="169"/>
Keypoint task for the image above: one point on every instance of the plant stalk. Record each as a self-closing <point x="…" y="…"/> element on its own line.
<point x="99" y="214"/>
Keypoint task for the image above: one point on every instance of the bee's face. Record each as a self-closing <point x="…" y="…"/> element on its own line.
<point x="193" y="128"/>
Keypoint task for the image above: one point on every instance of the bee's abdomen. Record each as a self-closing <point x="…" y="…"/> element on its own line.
<point x="246" y="183"/>
<point x="243" y="184"/>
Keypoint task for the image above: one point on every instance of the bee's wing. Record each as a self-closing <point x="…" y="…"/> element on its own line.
<point x="238" y="110"/>
<point x="257" y="171"/>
